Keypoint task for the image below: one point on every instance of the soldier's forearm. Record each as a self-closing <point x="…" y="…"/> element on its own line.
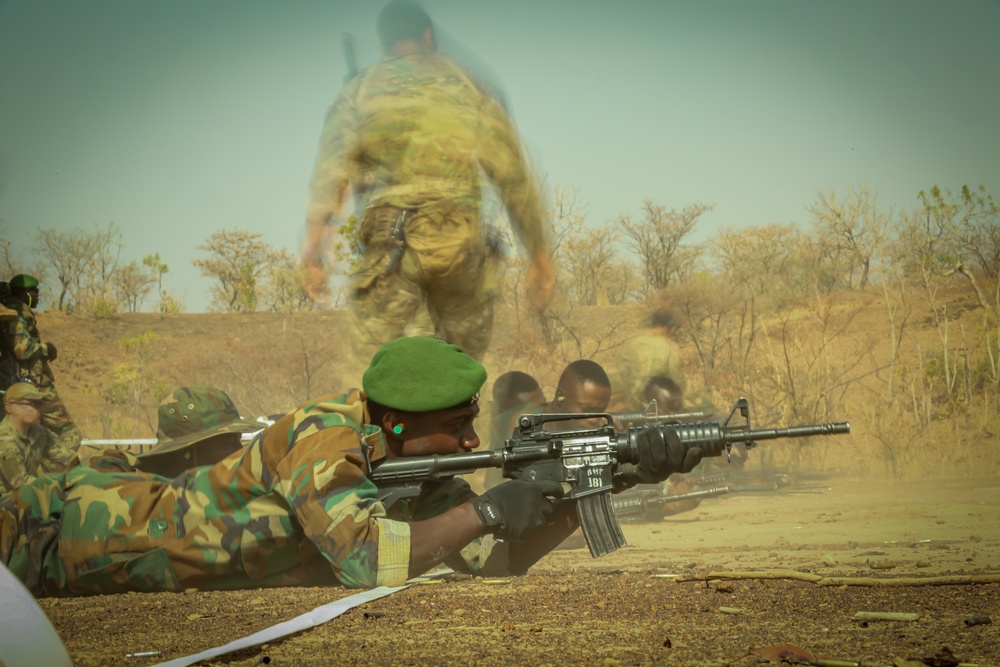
<point x="433" y="540"/>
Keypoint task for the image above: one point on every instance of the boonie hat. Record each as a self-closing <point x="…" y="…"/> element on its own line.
<point x="192" y="414"/>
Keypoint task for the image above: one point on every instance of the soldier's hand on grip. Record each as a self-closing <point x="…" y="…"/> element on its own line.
<point x="51" y="351"/>
<point x="660" y="455"/>
<point x="516" y="509"/>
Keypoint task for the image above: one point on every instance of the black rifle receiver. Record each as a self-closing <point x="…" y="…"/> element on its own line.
<point x="583" y="460"/>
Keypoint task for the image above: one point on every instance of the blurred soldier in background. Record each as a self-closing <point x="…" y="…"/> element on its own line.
<point x="410" y="137"/>
<point x="583" y="387"/>
<point x="650" y="353"/>
<point x="31" y="357"/>
<point x="665" y="394"/>
<point x="515" y="389"/>
<point x="27" y="449"/>
<point x="514" y="393"/>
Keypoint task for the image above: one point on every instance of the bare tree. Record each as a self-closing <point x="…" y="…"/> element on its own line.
<point x="101" y="251"/>
<point x="589" y="256"/>
<point x="622" y="282"/>
<point x="657" y="240"/>
<point x="9" y="264"/>
<point x="63" y="253"/>
<point x="133" y="283"/>
<point x="283" y="290"/>
<point x="752" y="261"/>
<point x="567" y="215"/>
<point x="237" y="261"/>
<point x="976" y="220"/>
<point x="849" y="230"/>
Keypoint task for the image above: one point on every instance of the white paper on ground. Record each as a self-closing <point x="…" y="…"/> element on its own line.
<point x="310" y="619"/>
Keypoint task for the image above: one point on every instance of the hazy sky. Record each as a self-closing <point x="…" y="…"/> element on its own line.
<point x="177" y="118"/>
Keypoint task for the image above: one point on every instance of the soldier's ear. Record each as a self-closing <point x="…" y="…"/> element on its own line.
<point x="391" y="421"/>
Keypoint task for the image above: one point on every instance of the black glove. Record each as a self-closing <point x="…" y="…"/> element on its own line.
<point x="51" y="351"/>
<point x="660" y="456"/>
<point x="514" y="510"/>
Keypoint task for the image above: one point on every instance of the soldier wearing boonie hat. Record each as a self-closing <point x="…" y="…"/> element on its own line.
<point x="195" y="426"/>
<point x="297" y="507"/>
<point x="27" y="448"/>
<point x="27" y="357"/>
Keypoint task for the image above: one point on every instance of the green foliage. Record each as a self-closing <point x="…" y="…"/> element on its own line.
<point x="134" y="385"/>
<point x="236" y="261"/>
<point x="347" y="248"/>
<point x="104" y="309"/>
<point x="139" y="344"/>
<point x="169" y="305"/>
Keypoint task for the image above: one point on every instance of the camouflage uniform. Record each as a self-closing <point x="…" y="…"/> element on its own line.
<point x="24" y="457"/>
<point x="412" y="135"/>
<point x="31" y="355"/>
<point x="293" y="508"/>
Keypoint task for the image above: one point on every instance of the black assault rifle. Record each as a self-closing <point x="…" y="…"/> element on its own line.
<point x="583" y="460"/>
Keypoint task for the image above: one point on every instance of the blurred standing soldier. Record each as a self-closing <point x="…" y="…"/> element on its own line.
<point x="27" y="449"/>
<point x="31" y="357"/>
<point x="410" y="136"/>
<point x="650" y="353"/>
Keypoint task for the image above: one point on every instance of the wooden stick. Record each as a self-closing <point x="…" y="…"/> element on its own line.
<point x="948" y="580"/>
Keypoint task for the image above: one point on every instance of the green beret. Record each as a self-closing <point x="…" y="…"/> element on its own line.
<point x="23" y="281"/>
<point x="419" y="374"/>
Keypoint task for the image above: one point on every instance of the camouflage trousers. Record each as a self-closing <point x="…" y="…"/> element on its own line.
<point x="436" y="283"/>
<point x="30" y="522"/>
<point x="55" y="417"/>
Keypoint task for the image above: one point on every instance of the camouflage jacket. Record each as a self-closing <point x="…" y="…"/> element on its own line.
<point x="24" y="457"/>
<point x="415" y="129"/>
<point x="20" y="337"/>
<point x="293" y="508"/>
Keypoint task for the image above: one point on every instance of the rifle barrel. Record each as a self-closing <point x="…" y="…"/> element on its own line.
<point x="790" y="432"/>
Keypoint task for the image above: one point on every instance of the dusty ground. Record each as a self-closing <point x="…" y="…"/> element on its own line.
<point x="628" y="608"/>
